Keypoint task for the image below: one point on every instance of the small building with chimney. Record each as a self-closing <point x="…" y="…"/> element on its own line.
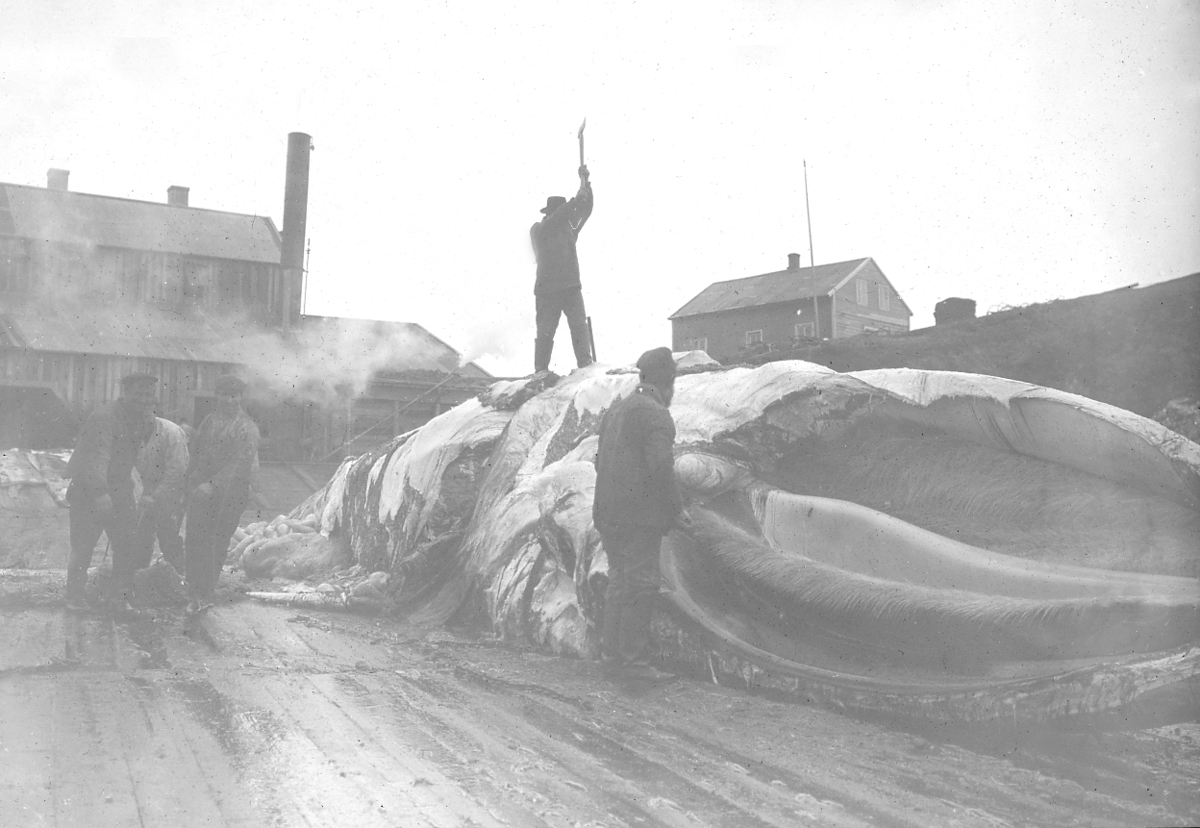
<point x="738" y="318"/>
<point x="94" y="287"/>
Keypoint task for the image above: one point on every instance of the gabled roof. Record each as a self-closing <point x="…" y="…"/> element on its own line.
<point x="105" y="221"/>
<point x="770" y="288"/>
<point x="390" y="347"/>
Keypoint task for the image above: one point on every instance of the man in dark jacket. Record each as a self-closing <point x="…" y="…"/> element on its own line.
<point x="637" y="501"/>
<point x="557" y="289"/>
<point x="100" y="496"/>
<point x="222" y="464"/>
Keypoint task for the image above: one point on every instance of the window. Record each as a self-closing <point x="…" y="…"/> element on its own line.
<point x="699" y="343"/>
<point x="14" y="266"/>
<point x="863" y="289"/>
<point x="804" y="330"/>
<point x="754" y="337"/>
<point x="885" y="297"/>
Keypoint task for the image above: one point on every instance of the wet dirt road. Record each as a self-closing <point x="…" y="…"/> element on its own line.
<point x="257" y="715"/>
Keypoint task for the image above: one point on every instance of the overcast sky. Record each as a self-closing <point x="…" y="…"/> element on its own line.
<point x="1006" y="152"/>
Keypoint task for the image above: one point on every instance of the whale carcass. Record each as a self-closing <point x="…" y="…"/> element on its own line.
<point x="939" y="545"/>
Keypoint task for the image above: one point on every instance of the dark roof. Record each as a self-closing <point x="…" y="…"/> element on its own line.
<point x="370" y="341"/>
<point x="147" y="331"/>
<point x="81" y="218"/>
<point x="770" y="288"/>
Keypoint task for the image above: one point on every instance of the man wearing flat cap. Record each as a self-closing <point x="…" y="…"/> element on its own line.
<point x="636" y="502"/>
<point x="224" y="458"/>
<point x="100" y="495"/>
<point x="557" y="290"/>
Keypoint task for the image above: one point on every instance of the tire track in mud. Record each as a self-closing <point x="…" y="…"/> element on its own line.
<point x="640" y="780"/>
<point x="488" y="764"/>
<point x="440" y="757"/>
<point x="901" y="781"/>
<point x="505" y="748"/>
<point x="355" y="771"/>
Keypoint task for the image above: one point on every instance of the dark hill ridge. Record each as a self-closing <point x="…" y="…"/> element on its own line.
<point x="1135" y="348"/>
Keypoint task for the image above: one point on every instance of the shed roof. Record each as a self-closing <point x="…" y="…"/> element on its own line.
<point x="150" y="332"/>
<point x="770" y="288"/>
<point x="145" y="332"/>
<point x="372" y="341"/>
<point x="105" y="221"/>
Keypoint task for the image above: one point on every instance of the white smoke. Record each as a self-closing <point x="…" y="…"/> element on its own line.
<point x="330" y="358"/>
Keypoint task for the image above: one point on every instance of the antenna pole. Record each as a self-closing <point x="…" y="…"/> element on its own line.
<point x="812" y="263"/>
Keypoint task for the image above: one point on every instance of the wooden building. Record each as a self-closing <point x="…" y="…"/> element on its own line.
<point x="737" y="318"/>
<point x="95" y="287"/>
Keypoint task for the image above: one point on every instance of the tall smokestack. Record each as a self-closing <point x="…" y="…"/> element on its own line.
<point x="295" y="215"/>
<point x="56" y="179"/>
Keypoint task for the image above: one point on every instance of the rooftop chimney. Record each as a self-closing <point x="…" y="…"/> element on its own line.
<point x="295" y="216"/>
<point x="177" y="196"/>
<point x="56" y="179"/>
<point x="793" y="261"/>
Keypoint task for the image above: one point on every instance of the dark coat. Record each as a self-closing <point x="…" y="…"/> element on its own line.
<point x="553" y="241"/>
<point x="635" y="465"/>
<point x="224" y="453"/>
<point x="106" y="450"/>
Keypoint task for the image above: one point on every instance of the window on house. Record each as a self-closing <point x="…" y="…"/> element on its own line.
<point x="754" y="337"/>
<point x="863" y="289"/>
<point x="699" y="343"/>
<point x="804" y="330"/>
<point x="14" y="266"/>
<point x="195" y="280"/>
<point x="885" y="297"/>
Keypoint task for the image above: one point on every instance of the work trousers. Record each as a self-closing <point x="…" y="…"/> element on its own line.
<point x="633" y="582"/>
<point x="211" y="521"/>
<point x="550" y="307"/>
<point x="160" y="520"/>
<point x="87" y="525"/>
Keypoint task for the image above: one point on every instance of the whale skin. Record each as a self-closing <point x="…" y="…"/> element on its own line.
<point x="936" y="545"/>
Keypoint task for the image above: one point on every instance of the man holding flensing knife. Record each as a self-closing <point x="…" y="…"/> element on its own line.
<point x="557" y="290"/>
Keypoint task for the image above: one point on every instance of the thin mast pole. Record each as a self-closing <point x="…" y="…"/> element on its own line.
<point x="812" y="264"/>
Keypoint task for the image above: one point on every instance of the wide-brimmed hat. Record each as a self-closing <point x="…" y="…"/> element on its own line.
<point x="229" y="384"/>
<point x="657" y="366"/>
<point x="553" y="203"/>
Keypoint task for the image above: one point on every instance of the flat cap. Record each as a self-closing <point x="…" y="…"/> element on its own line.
<point x="657" y="365"/>
<point x="139" y="379"/>
<point x="229" y="384"/>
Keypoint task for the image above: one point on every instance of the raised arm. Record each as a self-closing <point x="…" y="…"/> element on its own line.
<point x="581" y="205"/>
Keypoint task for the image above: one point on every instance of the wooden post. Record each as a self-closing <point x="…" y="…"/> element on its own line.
<point x="812" y="264"/>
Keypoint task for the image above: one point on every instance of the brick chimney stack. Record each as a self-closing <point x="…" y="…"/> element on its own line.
<point x="57" y="179"/>
<point x="177" y="196"/>
<point x="794" y="262"/>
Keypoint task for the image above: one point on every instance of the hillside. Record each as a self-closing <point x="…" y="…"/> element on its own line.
<point x="1136" y="348"/>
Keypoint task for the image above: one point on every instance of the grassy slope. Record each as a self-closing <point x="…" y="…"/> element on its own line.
<point x="1133" y="348"/>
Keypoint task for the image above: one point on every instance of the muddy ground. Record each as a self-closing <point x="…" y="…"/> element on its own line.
<point x="263" y="715"/>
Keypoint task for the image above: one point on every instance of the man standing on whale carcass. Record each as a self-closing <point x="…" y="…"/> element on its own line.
<point x="637" y="501"/>
<point x="557" y="290"/>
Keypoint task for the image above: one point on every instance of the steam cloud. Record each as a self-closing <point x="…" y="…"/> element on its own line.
<point x="327" y="359"/>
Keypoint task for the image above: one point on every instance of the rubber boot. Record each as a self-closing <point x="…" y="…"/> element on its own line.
<point x="581" y="343"/>
<point x="76" y="579"/>
<point x="543" y="347"/>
